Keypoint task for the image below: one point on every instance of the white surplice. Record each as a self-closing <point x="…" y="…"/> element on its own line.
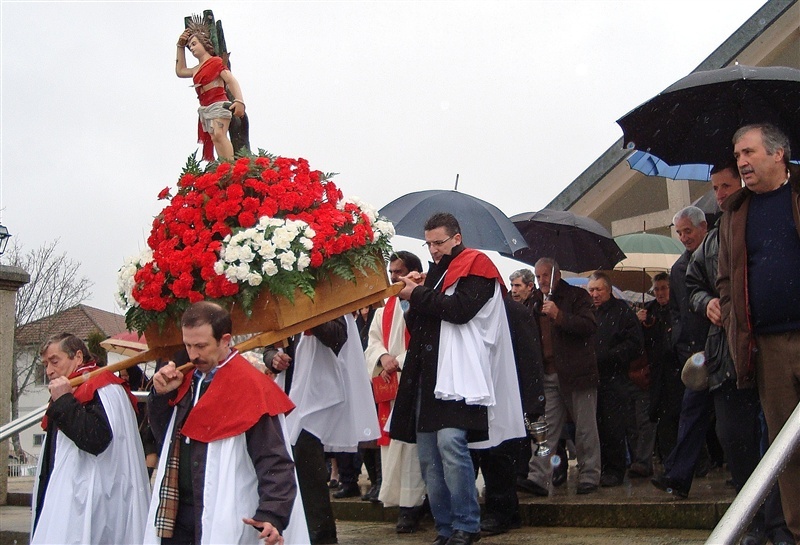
<point x="476" y="364"/>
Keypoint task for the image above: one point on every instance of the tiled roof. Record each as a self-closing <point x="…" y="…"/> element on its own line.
<point x="80" y="320"/>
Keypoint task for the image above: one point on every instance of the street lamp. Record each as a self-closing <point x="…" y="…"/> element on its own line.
<point x="4" y="236"/>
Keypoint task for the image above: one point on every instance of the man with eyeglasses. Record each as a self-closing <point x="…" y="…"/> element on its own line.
<point x="449" y="378"/>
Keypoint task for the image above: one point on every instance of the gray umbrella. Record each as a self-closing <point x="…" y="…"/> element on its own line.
<point x="483" y="225"/>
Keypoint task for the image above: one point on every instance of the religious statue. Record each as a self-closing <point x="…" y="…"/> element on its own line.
<point x="221" y="102"/>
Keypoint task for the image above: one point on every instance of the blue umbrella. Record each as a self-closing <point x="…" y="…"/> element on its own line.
<point x="651" y="165"/>
<point x="483" y="225"/>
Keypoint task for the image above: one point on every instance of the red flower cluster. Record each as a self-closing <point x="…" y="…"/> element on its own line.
<point x="188" y="234"/>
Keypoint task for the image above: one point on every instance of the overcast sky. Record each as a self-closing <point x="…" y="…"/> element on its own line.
<point x="518" y="98"/>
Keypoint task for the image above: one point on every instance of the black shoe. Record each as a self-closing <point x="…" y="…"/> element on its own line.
<point x="323" y="539"/>
<point x="408" y="520"/>
<point x="560" y="471"/>
<point x="460" y="537"/>
<point x="753" y="538"/>
<point x="440" y="540"/>
<point x="639" y="469"/>
<point x="608" y="480"/>
<point x="669" y="485"/>
<point x="586" y="488"/>
<point x="492" y="525"/>
<point x="334" y="484"/>
<point x="560" y="474"/>
<point x="372" y="494"/>
<point x="527" y="485"/>
<point x="347" y="491"/>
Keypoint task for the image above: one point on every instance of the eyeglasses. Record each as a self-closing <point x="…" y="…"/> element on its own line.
<point x="437" y="243"/>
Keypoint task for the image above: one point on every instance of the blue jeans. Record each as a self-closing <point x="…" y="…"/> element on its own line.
<point x="450" y="478"/>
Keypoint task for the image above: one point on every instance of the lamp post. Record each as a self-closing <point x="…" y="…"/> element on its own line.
<point x="4" y="236"/>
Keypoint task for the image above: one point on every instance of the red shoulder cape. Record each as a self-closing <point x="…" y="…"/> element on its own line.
<point x="471" y="262"/>
<point x="84" y="393"/>
<point x="238" y="396"/>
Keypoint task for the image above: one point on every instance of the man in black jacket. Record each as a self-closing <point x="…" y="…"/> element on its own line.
<point x="617" y="343"/>
<point x="689" y="333"/>
<point x="458" y="285"/>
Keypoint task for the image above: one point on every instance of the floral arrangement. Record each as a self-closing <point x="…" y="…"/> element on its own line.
<point x="244" y="225"/>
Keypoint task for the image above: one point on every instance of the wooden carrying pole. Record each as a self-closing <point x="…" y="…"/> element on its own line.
<point x="261" y="339"/>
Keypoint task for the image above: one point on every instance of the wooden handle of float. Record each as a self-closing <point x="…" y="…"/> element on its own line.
<point x="262" y="339"/>
<point x="271" y="337"/>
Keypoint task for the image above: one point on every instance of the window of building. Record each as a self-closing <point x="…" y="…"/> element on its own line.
<point x="38" y="439"/>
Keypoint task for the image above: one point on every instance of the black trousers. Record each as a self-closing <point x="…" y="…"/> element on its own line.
<point x="312" y="476"/>
<point x="614" y="409"/>
<point x="739" y="429"/>
<point x="498" y="465"/>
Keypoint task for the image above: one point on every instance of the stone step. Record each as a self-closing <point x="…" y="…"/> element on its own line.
<point x="635" y="504"/>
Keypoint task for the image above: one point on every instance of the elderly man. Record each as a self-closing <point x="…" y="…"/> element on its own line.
<point x="91" y="485"/>
<point x="689" y="333"/>
<point x="759" y="256"/>
<point x="567" y="325"/>
<point x="386" y="351"/>
<point x="618" y="342"/>
<point x="445" y="402"/>
<point x="225" y="474"/>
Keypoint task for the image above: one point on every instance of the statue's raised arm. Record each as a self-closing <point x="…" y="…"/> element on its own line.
<point x="217" y="89"/>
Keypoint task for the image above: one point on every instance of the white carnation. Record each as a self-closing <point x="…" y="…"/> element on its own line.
<point x="282" y="239"/>
<point x="240" y="272"/>
<point x="269" y="268"/>
<point x="287" y="260"/>
<point x="303" y="261"/>
<point x="307" y="243"/>
<point x="254" y="279"/>
<point x="246" y="254"/>
<point x="267" y="250"/>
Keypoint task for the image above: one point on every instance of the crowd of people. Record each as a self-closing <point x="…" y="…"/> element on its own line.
<point x="446" y="380"/>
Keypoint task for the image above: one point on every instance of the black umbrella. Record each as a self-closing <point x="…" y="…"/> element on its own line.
<point x="577" y="243"/>
<point x="483" y="225"/>
<point x="694" y="119"/>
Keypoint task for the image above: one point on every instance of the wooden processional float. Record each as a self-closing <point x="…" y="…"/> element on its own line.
<point x="273" y="318"/>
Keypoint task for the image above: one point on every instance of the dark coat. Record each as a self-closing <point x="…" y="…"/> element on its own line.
<point x="618" y="340"/>
<point x="689" y="329"/>
<point x="657" y="330"/>
<point x="701" y="276"/>
<point x="528" y="357"/>
<point x="429" y="307"/>
<point x="572" y="334"/>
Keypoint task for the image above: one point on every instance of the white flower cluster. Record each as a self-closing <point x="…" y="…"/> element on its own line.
<point x="125" y="280"/>
<point x="381" y="227"/>
<point x="273" y="244"/>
